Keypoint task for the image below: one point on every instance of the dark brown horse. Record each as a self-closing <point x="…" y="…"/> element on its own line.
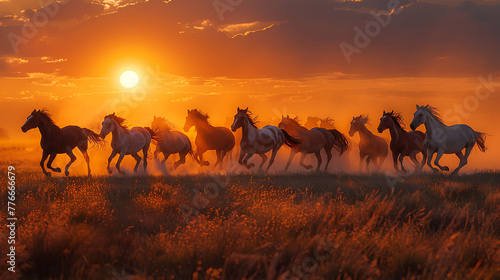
<point x="57" y="140"/>
<point x="209" y="137"/>
<point x="403" y="143"/>
<point x="370" y="146"/>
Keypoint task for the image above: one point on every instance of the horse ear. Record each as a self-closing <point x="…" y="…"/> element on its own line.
<point x="418" y="107"/>
<point x="238" y="108"/>
<point x="246" y="109"/>
<point x="427" y="106"/>
<point x="384" y="112"/>
<point x="392" y="112"/>
<point x="287" y="116"/>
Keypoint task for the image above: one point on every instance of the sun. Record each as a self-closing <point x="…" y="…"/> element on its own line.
<point x="129" y="79"/>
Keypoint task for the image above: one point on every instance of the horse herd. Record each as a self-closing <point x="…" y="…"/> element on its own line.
<point x="439" y="138"/>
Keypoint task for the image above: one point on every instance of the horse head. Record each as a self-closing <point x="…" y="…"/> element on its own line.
<point x="419" y="117"/>
<point x="32" y="121"/>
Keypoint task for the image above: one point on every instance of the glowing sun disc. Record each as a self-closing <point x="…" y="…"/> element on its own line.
<point x="129" y="79"/>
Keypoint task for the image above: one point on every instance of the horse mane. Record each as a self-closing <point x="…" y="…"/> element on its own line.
<point x="329" y="121"/>
<point x="44" y="113"/>
<point x="164" y="121"/>
<point x="314" y="119"/>
<point x="200" y="115"/>
<point x="433" y="112"/>
<point x="363" y="119"/>
<point x="397" y="119"/>
<point x="120" y="121"/>
<point x="253" y="120"/>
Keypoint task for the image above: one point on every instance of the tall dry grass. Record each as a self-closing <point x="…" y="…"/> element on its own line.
<point x="315" y="226"/>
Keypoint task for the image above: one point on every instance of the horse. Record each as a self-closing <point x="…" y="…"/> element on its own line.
<point x="170" y="141"/>
<point x="312" y="122"/>
<point x="209" y="137"/>
<point x="312" y="141"/>
<point x="126" y="141"/>
<point x="57" y="140"/>
<point x="373" y="147"/>
<point x="259" y="141"/>
<point x="443" y="139"/>
<point x="403" y="143"/>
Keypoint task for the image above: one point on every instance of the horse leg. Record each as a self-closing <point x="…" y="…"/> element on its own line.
<point x="49" y="163"/>
<point x="424" y="159"/>
<point x="222" y="156"/>
<point x="361" y="160"/>
<point x="120" y="158"/>
<point x="42" y="162"/>
<point x="328" y="158"/>
<point x="145" y="150"/>
<point x="245" y="160"/>
<point x="138" y="161"/>
<point x="290" y="158"/>
<point x="202" y="162"/>
<point x="301" y="162"/>
<point x="218" y="153"/>
<point x="368" y="164"/>
<point x="463" y="159"/>
<point x="395" y="161"/>
<point x="438" y="157"/>
<point x="273" y="155"/>
<point x="182" y="159"/>
<point x="157" y="151"/>
<point x="401" y="158"/>
<point x="413" y="158"/>
<point x="264" y="159"/>
<point x="318" y="156"/>
<point x="113" y="154"/>
<point x="165" y="157"/>
<point x="429" y="160"/>
<point x="87" y="159"/>
<point x="72" y="158"/>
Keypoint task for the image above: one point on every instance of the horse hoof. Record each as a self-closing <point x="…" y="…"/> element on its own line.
<point x="47" y="174"/>
<point x="110" y="171"/>
<point x="445" y="168"/>
<point x="251" y="165"/>
<point x="309" y="167"/>
<point x="205" y="163"/>
<point x="66" y="173"/>
<point x="58" y="170"/>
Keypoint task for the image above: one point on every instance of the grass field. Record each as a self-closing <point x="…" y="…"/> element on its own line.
<point x="295" y="226"/>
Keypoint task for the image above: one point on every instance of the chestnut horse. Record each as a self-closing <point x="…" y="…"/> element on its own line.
<point x="57" y="140"/>
<point x="373" y="147"/>
<point x="209" y="137"/>
<point x="312" y="141"/>
<point x="403" y="143"/>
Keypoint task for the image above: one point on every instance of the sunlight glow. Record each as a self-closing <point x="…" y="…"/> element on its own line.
<point x="129" y="79"/>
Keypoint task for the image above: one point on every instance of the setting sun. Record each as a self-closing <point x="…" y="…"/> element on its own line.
<point x="129" y="79"/>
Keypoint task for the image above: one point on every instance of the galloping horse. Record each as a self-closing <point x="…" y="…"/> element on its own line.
<point x="374" y="147"/>
<point x="312" y="141"/>
<point x="126" y="141"/>
<point x="403" y="143"/>
<point x="259" y="141"/>
<point x="57" y="140"/>
<point x="170" y="141"/>
<point x="443" y="139"/>
<point x="209" y="137"/>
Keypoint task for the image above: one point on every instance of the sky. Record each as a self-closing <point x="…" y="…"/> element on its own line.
<point x="299" y="57"/>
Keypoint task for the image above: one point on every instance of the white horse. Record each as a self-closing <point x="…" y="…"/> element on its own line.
<point x="259" y="141"/>
<point x="170" y="141"/>
<point x="443" y="139"/>
<point x="126" y="141"/>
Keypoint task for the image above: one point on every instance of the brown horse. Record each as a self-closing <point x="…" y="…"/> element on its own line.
<point x="209" y="137"/>
<point x="371" y="146"/>
<point x="312" y="141"/>
<point x="403" y="143"/>
<point x="57" y="140"/>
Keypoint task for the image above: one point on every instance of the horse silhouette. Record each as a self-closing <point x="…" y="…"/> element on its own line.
<point x="209" y="137"/>
<point x="57" y="140"/>
<point x="373" y="147"/>
<point x="312" y="141"/>
<point x="126" y="141"/>
<point x="259" y="141"/>
<point x="443" y="139"/>
<point x="170" y="141"/>
<point x="403" y="143"/>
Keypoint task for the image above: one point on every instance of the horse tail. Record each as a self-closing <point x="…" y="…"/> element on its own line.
<point x="93" y="137"/>
<point x="341" y="144"/>
<point x="155" y="137"/>
<point x="290" y="141"/>
<point x="480" y="140"/>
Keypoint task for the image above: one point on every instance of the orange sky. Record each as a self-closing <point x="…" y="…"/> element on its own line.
<point x="272" y="58"/>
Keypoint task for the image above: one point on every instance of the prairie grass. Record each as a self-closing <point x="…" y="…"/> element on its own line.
<point x="289" y="226"/>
